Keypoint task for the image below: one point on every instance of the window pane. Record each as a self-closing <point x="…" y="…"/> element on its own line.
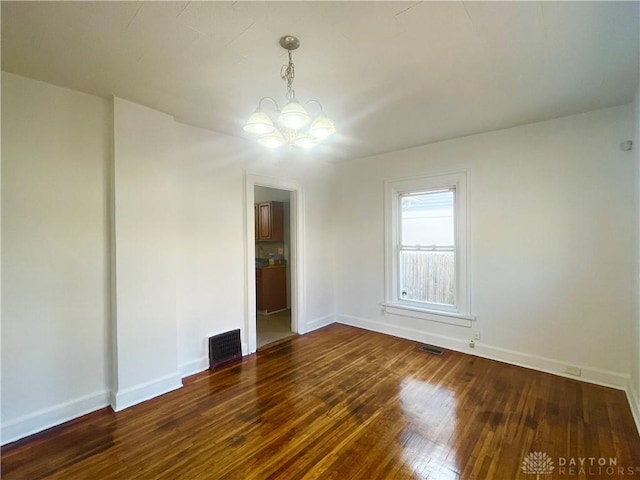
<point x="427" y="277"/>
<point x="427" y="219"/>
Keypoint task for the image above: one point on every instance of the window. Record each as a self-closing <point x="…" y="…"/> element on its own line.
<point x="426" y="248"/>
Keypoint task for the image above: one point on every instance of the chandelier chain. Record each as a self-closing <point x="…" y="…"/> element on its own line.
<point x="287" y="73"/>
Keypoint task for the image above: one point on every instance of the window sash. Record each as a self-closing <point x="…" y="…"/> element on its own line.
<point x="401" y="288"/>
<point x="422" y="192"/>
<point x="427" y="248"/>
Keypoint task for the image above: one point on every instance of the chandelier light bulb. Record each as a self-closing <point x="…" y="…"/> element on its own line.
<point x="322" y="127"/>
<point x="272" y="140"/>
<point x="293" y="115"/>
<point x="292" y="126"/>
<point x="305" y="142"/>
<point x="259" y="123"/>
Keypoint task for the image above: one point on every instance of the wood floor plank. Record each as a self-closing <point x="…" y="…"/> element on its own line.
<point x="342" y="403"/>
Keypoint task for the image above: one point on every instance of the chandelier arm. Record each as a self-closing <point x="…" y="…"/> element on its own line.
<point x="317" y="103"/>
<point x="268" y="98"/>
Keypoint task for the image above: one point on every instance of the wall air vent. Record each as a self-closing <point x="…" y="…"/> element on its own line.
<point x="224" y="348"/>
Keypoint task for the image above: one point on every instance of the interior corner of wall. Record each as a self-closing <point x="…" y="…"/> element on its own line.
<point x="634" y="403"/>
<point x="131" y="396"/>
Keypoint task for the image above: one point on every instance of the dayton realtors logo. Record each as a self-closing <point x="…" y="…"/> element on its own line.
<point x="537" y="463"/>
<point x="594" y="466"/>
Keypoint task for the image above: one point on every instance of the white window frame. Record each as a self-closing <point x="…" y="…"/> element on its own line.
<point x="460" y="313"/>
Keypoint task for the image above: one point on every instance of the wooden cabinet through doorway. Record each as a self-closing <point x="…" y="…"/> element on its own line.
<point x="271" y="288"/>
<point x="269" y="221"/>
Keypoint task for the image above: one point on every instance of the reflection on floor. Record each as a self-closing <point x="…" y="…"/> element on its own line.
<point x="271" y="328"/>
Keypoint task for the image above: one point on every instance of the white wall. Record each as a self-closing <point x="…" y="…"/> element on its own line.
<point x="266" y="194"/>
<point x="210" y="275"/>
<point x="634" y="385"/>
<point x="553" y="254"/>
<point x="145" y="254"/>
<point x="55" y="276"/>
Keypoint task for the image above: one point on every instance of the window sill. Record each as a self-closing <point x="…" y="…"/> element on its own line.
<point x="451" y="318"/>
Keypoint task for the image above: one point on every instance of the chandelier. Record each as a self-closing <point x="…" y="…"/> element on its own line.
<point x="292" y="125"/>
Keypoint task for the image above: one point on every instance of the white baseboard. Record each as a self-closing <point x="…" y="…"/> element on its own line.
<point x="319" y="323"/>
<point x="634" y="403"/>
<point x="139" y="393"/>
<point x="50" y="417"/>
<point x="194" y="366"/>
<point x="548" y="365"/>
<point x="201" y="364"/>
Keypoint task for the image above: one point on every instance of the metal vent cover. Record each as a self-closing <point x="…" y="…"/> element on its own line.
<point x="432" y="349"/>
<point x="224" y="348"/>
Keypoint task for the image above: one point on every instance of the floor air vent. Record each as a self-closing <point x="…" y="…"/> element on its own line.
<point x="431" y="349"/>
<point x="224" y="348"/>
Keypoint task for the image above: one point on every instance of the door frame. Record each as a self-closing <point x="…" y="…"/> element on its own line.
<point x="296" y="259"/>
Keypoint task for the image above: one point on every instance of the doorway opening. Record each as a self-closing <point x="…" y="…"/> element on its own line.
<point x="272" y="231"/>
<point x="291" y="258"/>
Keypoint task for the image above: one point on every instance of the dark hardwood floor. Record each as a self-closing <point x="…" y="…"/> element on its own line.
<point x="344" y="403"/>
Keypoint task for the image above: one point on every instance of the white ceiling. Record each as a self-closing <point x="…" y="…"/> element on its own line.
<point x="391" y="74"/>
